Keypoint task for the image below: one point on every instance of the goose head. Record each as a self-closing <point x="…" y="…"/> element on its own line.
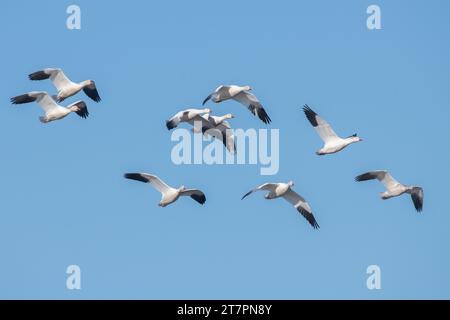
<point x="290" y="184"/>
<point x="247" y="88"/>
<point x="354" y="138"/>
<point x="206" y="110"/>
<point x="229" y="116"/>
<point x="182" y="188"/>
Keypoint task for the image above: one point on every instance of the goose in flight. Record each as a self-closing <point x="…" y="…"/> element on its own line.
<point x="284" y="190"/>
<point x="219" y="128"/>
<point x="241" y="95"/>
<point x="66" y="88"/>
<point x="52" y="110"/>
<point x="169" y="194"/>
<point x="394" y="188"/>
<point x="333" y="143"/>
<point x="188" y="115"/>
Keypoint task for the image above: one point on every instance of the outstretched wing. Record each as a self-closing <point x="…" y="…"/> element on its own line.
<point x="56" y="75"/>
<point x="91" y="92"/>
<point x="221" y="93"/>
<point x="381" y="175"/>
<point x="156" y="182"/>
<point x="265" y="186"/>
<point x="174" y="121"/>
<point x="195" y="194"/>
<point x="322" y="127"/>
<point x="417" y="198"/>
<point x="41" y="97"/>
<point x="252" y="103"/>
<point x="83" y="111"/>
<point x="302" y="207"/>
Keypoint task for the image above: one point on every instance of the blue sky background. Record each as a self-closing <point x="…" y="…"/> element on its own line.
<point x="64" y="201"/>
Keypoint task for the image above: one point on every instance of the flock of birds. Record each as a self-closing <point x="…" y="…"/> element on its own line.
<point x="217" y="127"/>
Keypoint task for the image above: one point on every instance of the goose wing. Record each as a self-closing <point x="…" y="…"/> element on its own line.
<point x="41" y="97"/>
<point x="381" y="175"/>
<point x="302" y="207"/>
<point x="91" y="92"/>
<point x="174" y="121"/>
<point x="252" y="103"/>
<point x="227" y="136"/>
<point x="195" y="194"/>
<point x="221" y="93"/>
<point x="265" y="186"/>
<point x="417" y="198"/>
<point x="201" y="123"/>
<point x="56" y="75"/>
<point x="322" y="127"/>
<point x="83" y="111"/>
<point x="155" y="181"/>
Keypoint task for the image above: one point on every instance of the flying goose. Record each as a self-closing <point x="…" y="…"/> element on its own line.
<point x="169" y="194"/>
<point x="220" y="129"/>
<point x="52" y="110"/>
<point x="242" y="95"/>
<point x="285" y="190"/>
<point x="188" y="115"/>
<point x="394" y="188"/>
<point x="333" y="143"/>
<point x="66" y="88"/>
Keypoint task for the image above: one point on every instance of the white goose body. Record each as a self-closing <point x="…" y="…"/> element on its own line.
<point x="70" y="89"/>
<point x="279" y="191"/>
<point x="336" y="145"/>
<point x="170" y="196"/>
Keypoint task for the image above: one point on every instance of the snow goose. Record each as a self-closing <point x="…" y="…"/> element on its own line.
<point x="241" y="95"/>
<point x="333" y="143"/>
<point x="169" y="194"/>
<point x="52" y="110"/>
<point x="66" y="88"/>
<point x="220" y="129"/>
<point x="394" y="188"/>
<point x="188" y="115"/>
<point x="284" y="190"/>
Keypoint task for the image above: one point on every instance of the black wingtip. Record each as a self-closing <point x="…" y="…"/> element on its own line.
<point x="206" y="99"/>
<point x="199" y="198"/>
<point x="83" y="111"/>
<point x="309" y="217"/>
<point x="135" y="176"/>
<point x="38" y="75"/>
<point x="23" y="98"/>
<point x="262" y="114"/>
<point x="92" y="93"/>
<point x="170" y="124"/>
<point x="365" y="177"/>
<point x="245" y="195"/>
<point x="310" y="115"/>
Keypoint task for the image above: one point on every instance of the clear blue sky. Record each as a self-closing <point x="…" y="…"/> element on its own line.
<point x="64" y="200"/>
